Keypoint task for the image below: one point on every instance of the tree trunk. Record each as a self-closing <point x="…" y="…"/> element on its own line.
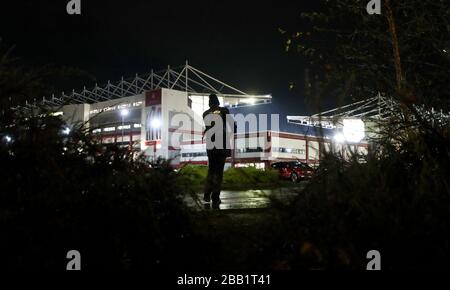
<point x="395" y="46"/>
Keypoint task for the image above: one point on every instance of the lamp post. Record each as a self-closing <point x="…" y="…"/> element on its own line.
<point x="123" y="113"/>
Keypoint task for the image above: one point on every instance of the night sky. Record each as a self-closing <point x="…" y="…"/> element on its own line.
<point x="235" y="41"/>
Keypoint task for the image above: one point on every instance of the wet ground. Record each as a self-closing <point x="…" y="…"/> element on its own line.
<point x="240" y="231"/>
<point x="248" y="199"/>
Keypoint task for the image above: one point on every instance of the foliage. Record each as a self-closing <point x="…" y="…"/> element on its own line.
<point x="251" y="177"/>
<point x="233" y="178"/>
<point x="397" y="202"/>
<point x="68" y="192"/>
<point x="194" y="175"/>
<point x="403" y="53"/>
<point x="20" y="83"/>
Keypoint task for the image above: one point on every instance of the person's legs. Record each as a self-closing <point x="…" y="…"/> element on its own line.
<point x="209" y="185"/>
<point x="218" y="177"/>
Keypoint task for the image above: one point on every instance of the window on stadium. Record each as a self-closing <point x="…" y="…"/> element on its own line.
<point x="193" y="154"/>
<point x="249" y="150"/>
<point x="288" y="150"/>
<point x="109" y="129"/>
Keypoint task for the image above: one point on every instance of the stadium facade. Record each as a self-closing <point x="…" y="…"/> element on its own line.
<point x="160" y="115"/>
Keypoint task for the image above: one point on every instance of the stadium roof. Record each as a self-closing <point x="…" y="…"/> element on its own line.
<point x="375" y="108"/>
<point x="183" y="78"/>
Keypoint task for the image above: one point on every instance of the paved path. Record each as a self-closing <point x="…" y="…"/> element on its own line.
<point x="248" y="199"/>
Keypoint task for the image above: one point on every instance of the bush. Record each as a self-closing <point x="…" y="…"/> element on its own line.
<point x="398" y="202"/>
<point x="67" y="192"/>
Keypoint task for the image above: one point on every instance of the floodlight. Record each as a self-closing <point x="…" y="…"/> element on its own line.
<point x="66" y="131"/>
<point x="339" y="138"/>
<point x="155" y="123"/>
<point x="249" y="101"/>
<point x="353" y="130"/>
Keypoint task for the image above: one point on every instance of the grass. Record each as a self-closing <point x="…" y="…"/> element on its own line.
<point x="233" y="178"/>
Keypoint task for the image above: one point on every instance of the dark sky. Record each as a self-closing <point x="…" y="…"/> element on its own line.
<point x="235" y="41"/>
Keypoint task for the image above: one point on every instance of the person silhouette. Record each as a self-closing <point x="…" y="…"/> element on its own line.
<point x="219" y="129"/>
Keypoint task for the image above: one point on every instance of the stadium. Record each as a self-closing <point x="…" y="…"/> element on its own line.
<point x="160" y="115"/>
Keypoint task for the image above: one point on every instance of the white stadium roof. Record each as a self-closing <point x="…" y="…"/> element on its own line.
<point x="183" y="78"/>
<point x="375" y="108"/>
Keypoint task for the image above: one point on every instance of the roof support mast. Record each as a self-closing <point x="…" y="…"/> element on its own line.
<point x="186" y="78"/>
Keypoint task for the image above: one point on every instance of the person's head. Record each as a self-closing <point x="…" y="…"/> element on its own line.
<point x="213" y="100"/>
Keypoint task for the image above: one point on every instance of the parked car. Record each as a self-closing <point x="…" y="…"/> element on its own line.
<point x="293" y="170"/>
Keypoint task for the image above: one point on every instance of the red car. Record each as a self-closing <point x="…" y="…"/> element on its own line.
<point x="293" y="170"/>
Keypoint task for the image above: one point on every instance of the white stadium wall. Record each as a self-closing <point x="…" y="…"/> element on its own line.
<point x="168" y="123"/>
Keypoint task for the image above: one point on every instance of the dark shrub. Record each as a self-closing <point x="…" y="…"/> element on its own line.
<point x="60" y="193"/>
<point x="398" y="202"/>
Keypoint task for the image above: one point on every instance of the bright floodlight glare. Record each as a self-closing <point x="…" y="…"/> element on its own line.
<point x="155" y="123"/>
<point x="249" y="101"/>
<point x="66" y="131"/>
<point x="353" y="130"/>
<point x="8" y="139"/>
<point x="339" y="138"/>
<point x="124" y="112"/>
